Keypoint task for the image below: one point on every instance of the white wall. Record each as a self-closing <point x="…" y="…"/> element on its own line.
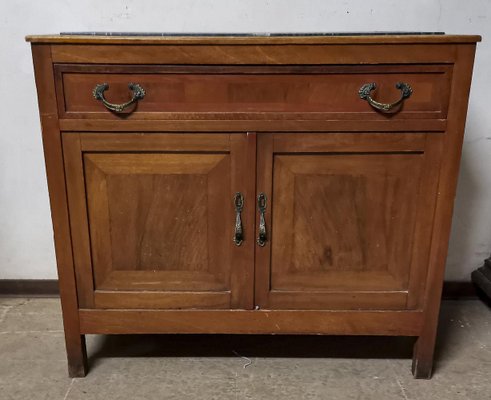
<point x="26" y="246"/>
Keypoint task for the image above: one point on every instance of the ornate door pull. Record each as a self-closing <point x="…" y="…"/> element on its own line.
<point x="100" y="88"/>
<point x="239" y="232"/>
<point x="261" y="205"/>
<point x="365" y="90"/>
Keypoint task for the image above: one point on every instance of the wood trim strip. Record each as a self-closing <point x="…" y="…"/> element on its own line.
<point x="226" y="125"/>
<point x="162" y="142"/>
<point x="279" y="116"/>
<point x="406" y="323"/>
<point x="376" y="300"/>
<point x="161" y="300"/>
<point x="353" y="69"/>
<point x="270" y="54"/>
<point x="355" y="39"/>
<point x="452" y="290"/>
<point x="347" y="142"/>
<point x="243" y="151"/>
<point x="75" y="183"/>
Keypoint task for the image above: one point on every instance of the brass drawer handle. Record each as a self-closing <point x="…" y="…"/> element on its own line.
<point x="239" y="232"/>
<point x="138" y="94"/>
<point x="365" y="90"/>
<point x="261" y="205"/>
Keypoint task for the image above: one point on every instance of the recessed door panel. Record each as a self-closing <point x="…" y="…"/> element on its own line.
<point x="160" y="223"/>
<point x="343" y="225"/>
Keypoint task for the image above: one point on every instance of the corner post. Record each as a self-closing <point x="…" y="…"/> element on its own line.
<point x="75" y="342"/>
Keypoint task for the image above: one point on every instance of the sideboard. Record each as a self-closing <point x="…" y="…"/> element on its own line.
<point x="252" y="184"/>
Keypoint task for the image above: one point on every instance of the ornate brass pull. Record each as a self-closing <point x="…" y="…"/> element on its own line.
<point x="138" y="94"/>
<point x="365" y="90"/>
<point x="239" y="232"/>
<point x="261" y="205"/>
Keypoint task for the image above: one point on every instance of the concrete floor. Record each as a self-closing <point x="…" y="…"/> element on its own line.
<point x="33" y="366"/>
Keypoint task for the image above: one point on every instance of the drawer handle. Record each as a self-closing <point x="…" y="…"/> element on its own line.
<point x="138" y="94"/>
<point x="261" y="205"/>
<point x="365" y="90"/>
<point x="239" y="205"/>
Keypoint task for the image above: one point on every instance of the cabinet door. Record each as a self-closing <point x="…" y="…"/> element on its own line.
<point x="153" y="217"/>
<point x="348" y="219"/>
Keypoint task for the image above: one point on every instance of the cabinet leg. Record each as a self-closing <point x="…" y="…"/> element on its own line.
<point x="77" y="356"/>
<point x="423" y="354"/>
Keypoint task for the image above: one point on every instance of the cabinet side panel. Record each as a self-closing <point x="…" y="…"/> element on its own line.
<point x="75" y="343"/>
<point x="424" y="349"/>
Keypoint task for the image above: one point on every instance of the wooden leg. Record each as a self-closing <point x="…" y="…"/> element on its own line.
<point x="77" y="356"/>
<point x="423" y="354"/>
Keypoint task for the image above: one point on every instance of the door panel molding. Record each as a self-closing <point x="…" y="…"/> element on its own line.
<point x="127" y="204"/>
<point x="380" y="192"/>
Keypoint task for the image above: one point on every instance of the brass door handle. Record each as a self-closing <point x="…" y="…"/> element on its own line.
<point x="262" y="236"/>
<point x="239" y="232"/>
<point x="100" y="88"/>
<point x="365" y="90"/>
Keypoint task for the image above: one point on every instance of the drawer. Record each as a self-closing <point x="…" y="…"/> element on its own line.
<point x="253" y="92"/>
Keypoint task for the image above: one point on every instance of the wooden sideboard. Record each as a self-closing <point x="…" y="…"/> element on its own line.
<point x="252" y="185"/>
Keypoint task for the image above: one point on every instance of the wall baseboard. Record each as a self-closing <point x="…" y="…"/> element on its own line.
<point x="453" y="290"/>
<point x="29" y="287"/>
<point x="49" y="287"/>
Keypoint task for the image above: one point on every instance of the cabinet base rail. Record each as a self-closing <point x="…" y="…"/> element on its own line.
<point x="384" y="323"/>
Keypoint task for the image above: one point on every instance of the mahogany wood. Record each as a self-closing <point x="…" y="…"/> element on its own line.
<point x="332" y="194"/>
<point x="449" y="170"/>
<point x="255" y="39"/>
<point x="388" y="323"/>
<point x="452" y="290"/>
<point x="359" y="203"/>
<point x="74" y="340"/>
<point x="154" y="227"/>
<point x="285" y="54"/>
<point x="251" y="124"/>
<point x="208" y="92"/>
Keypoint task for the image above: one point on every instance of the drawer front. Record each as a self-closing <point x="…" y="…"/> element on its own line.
<point x="259" y="92"/>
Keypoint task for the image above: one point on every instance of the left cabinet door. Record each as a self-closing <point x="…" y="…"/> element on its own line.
<point x="153" y="218"/>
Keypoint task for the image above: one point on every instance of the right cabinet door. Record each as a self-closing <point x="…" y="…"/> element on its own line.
<point x="348" y="219"/>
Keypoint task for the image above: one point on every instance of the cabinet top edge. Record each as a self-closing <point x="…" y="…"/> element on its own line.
<point x="254" y="39"/>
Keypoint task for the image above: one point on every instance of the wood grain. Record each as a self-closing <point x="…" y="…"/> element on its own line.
<point x="158" y="224"/>
<point x="359" y="203"/>
<point x="343" y="220"/>
<point x="388" y="323"/>
<point x="452" y="149"/>
<point x="259" y="39"/>
<point x="74" y="340"/>
<point x="266" y="123"/>
<point x="204" y="92"/>
<point x="255" y="54"/>
<point x="76" y="192"/>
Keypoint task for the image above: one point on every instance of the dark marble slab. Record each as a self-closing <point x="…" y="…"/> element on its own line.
<point x="255" y="34"/>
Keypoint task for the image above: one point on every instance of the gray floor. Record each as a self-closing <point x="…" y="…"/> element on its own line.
<point x="32" y="362"/>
